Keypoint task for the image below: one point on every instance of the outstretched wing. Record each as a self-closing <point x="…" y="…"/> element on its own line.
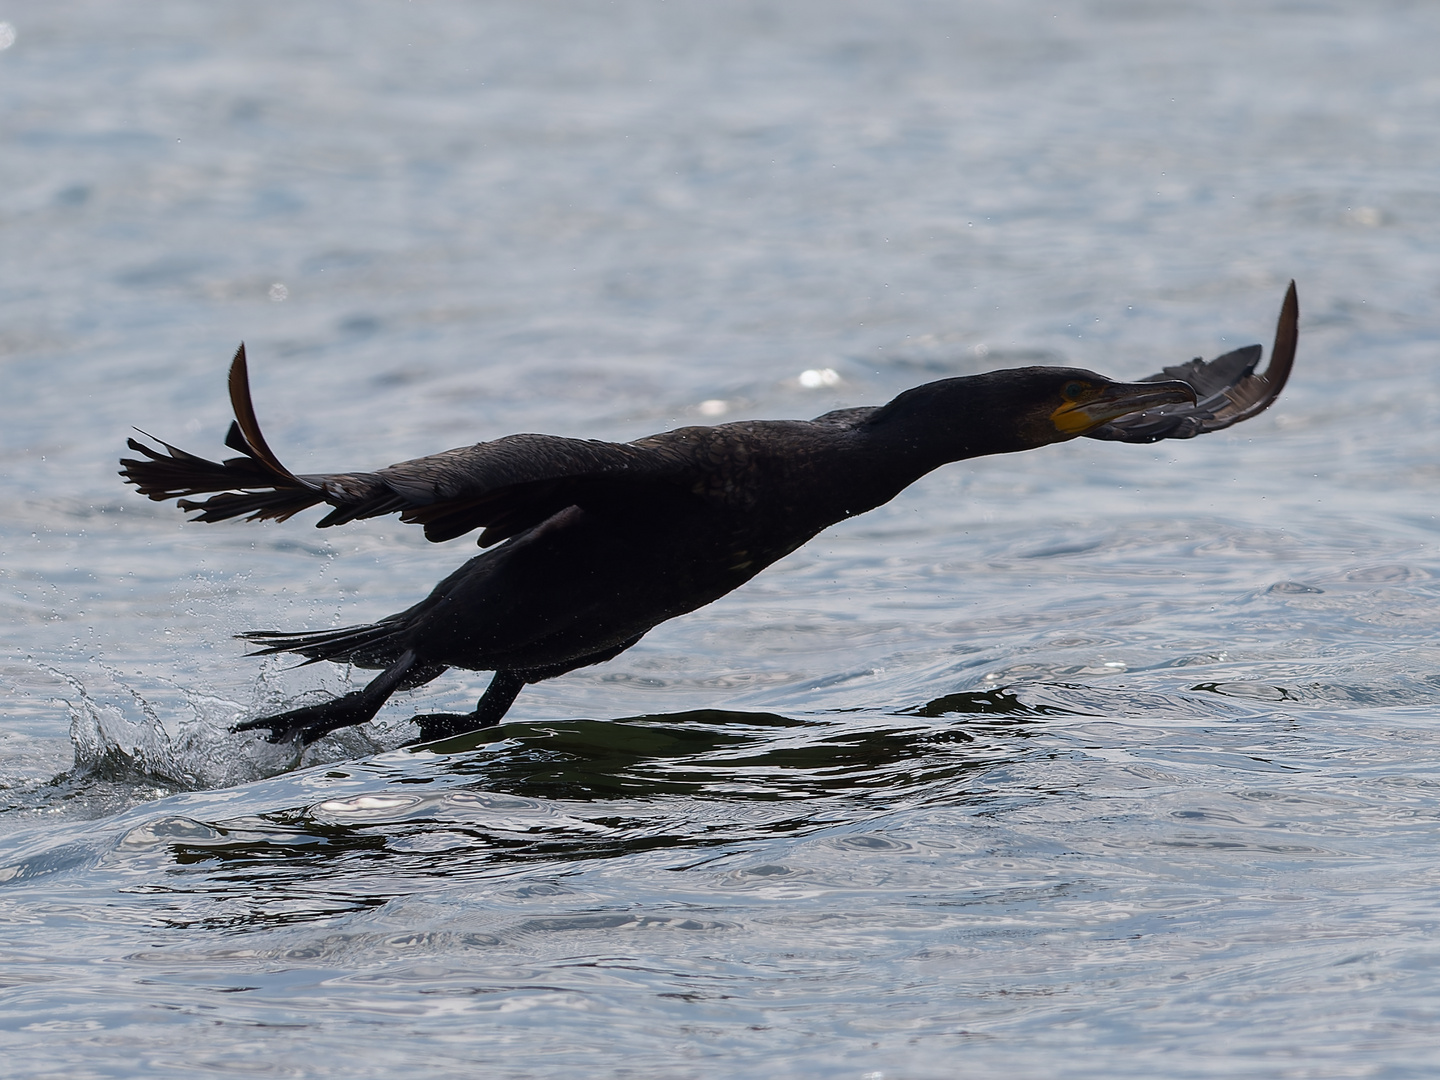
<point x="504" y="486"/>
<point x="1228" y="389"/>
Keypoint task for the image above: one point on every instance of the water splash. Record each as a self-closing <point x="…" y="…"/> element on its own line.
<point x="120" y="736"/>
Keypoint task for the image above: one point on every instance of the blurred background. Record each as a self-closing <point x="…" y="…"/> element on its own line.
<point x="1036" y="707"/>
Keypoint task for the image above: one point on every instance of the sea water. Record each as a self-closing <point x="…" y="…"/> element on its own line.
<point x="1100" y="760"/>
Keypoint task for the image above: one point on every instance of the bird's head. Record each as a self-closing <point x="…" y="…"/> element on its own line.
<point x="1072" y="402"/>
<point x="1016" y="409"/>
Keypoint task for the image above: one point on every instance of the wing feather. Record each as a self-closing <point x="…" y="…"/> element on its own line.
<point x="503" y="486"/>
<point x="1228" y="389"/>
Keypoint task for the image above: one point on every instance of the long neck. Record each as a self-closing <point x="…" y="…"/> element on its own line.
<point x="882" y="451"/>
<point x="859" y="459"/>
<point x="942" y="422"/>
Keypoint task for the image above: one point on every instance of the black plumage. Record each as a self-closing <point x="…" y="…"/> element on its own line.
<point x="603" y="541"/>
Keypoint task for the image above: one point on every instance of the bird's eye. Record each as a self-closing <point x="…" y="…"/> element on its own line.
<point x="1073" y="391"/>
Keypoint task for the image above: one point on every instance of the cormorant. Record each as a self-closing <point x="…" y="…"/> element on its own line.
<point x="603" y="541"/>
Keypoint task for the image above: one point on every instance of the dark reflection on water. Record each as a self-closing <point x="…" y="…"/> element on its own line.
<point x="560" y="793"/>
<point x="997" y="702"/>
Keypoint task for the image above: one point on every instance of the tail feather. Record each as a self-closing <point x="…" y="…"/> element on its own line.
<point x="371" y="645"/>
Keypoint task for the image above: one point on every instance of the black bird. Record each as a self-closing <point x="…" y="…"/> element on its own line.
<point x="603" y="541"/>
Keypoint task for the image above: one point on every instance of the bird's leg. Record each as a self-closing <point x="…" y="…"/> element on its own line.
<point x="504" y="688"/>
<point x="315" y="721"/>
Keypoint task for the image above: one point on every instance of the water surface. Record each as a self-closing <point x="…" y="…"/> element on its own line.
<point x="1099" y="760"/>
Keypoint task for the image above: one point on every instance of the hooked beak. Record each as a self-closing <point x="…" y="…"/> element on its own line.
<point x="1115" y="400"/>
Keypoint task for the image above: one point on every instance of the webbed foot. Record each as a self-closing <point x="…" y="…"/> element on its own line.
<point x="312" y="722"/>
<point x="316" y="721"/>
<point x="489" y="710"/>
